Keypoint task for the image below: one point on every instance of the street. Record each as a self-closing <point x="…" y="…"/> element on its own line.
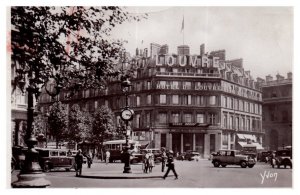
<point x="192" y="174"/>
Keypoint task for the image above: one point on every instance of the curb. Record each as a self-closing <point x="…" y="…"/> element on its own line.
<point x="119" y="177"/>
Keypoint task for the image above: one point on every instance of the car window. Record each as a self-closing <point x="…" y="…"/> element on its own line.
<point x="62" y="153"/>
<point x="53" y="153"/>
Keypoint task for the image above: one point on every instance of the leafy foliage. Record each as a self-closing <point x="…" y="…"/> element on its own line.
<point x="67" y="44"/>
<point x="77" y="130"/>
<point x="103" y="127"/>
<point x="58" y="121"/>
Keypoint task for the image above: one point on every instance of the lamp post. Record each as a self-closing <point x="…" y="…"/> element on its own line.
<point x="126" y="116"/>
<point x="31" y="175"/>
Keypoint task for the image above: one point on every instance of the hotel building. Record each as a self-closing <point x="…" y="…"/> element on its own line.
<point x="184" y="102"/>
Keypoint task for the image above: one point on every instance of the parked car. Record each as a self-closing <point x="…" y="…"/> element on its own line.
<point x="232" y="157"/>
<point x="264" y="156"/>
<point x="55" y="158"/>
<point x="181" y="156"/>
<point x="192" y="155"/>
<point x="284" y="157"/>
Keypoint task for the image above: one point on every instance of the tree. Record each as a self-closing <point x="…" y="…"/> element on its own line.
<point x="69" y="45"/>
<point x="58" y="121"/>
<point x="77" y="130"/>
<point x="103" y="127"/>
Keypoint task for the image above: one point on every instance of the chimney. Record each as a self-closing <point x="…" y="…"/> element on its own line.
<point x="279" y="77"/>
<point x="145" y="52"/>
<point x="269" y="78"/>
<point x="137" y="51"/>
<point x="290" y="75"/>
<point x="202" y="49"/>
<point x="260" y="80"/>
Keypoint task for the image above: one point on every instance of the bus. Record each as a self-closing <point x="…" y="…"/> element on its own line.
<point x="115" y="148"/>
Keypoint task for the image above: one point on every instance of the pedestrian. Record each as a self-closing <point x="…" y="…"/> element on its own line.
<point x="69" y="153"/>
<point x="151" y="162"/>
<point x="146" y="162"/>
<point x="79" y="161"/>
<point x="107" y="156"/>
<point x="170" y="165"/>
<point x="163" y="159"/>
<point x="89" y="160"/>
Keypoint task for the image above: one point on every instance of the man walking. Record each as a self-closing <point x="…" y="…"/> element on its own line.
<point x="107" y="156"/>
<point x="163" y="159"/>
<point x="79" y="161"/>
<point x="170" y="165"/>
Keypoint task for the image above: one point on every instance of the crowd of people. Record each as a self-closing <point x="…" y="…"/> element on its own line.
<point x="148" y="162"/>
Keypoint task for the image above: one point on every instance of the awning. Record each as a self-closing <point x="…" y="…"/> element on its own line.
<point x="258" y="146"/>
<point x="240" y="136"/>
<point x="248" y="136"/>
<point x="242" y="143"/>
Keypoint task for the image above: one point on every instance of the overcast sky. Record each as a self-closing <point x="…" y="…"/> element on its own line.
<point x="262" y="36"/>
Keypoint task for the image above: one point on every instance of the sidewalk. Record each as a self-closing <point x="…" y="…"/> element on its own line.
<point x="115" y="171"/>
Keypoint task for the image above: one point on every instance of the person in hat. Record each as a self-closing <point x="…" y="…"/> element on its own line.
<point x="170" y="165"/>
<point x="79" y="161"/>
<point x="163" y="159"/>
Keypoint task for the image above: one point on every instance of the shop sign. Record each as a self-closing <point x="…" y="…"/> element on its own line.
<point x="188" y="125"/>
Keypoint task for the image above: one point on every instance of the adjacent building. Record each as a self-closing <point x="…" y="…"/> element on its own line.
<point x="277" y="111"/>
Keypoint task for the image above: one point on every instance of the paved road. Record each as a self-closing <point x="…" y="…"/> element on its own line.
<point x="200" y="174"/>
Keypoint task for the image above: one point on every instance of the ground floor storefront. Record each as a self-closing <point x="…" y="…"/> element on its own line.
<point x="204" y="141"/>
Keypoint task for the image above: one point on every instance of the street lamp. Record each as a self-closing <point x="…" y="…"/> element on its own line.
<point x="31" y="174"/>
<point x="126" y="116"/>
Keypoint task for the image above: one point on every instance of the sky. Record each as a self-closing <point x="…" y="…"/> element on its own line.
<point x="262" y="36"/>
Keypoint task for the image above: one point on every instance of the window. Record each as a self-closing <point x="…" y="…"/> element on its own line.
<point x="175" y="84"/>
<point x="138" y="121"/>
<point x="175" y="117"/>
<point x="225" y="121"/>
<point x="241" y="105"/>
<point x="251" y="107"/>
<point x="187" y="118"/>
<point x="237" y="123"/>
<point x="162" y="99"/>
<point x="138" y="100"/>
<point x="187" y="85"/>
<point x="243" y="123"/>
<point x="248" y="125"/>
<point x="225" y="102"/>
<point x="212" y="100"/>
<point x="96" y="104"/>
<point x="162" y="69"/>
<point x="148" y="118"/>
<point x="148" y="84"/>
<point x="200" y="100"/>
<point x="231" y="122"/>
<point x="212" y="118"/>
<point x="200" y="118"/>
<point x="138" y="86"/>
<point x="187" y="99"/>
<point x="175" y="99"/>
<point x="225" y="139"/>
<point x="148" y="99"/>
<point x="162" y="118"/>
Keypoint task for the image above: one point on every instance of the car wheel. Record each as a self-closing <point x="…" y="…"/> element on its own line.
<point x="216" y="164"/>
<point x="68" y="169"/>
<point x="250" y="166"/>
<point x="223" y="165"/>
<point x="243" y="164"/>
<point x="46" y="168"/>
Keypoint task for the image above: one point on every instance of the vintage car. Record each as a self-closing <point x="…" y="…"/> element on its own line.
<point x="55" y="158"/>
<point x="284" y="157"/>
<point x="192" y="155"/>
<point x="232" y="157"/>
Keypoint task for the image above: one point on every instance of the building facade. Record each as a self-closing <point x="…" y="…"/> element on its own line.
<point x="184" y="102"/>
<point x="277" y="111"/>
